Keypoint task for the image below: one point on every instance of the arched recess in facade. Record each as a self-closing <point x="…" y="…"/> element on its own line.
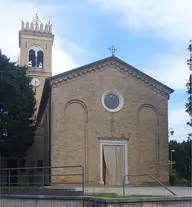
<point x="76" y="132"/>
<point x="148" y="125"/>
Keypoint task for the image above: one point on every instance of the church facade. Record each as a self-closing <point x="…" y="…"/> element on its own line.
<point x="107" y="116"/>
<point x="110" y="118"/>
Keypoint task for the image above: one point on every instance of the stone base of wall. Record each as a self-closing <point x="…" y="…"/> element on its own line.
<point x="54" y="201"/>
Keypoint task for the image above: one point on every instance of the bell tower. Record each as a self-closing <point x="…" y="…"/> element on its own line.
<point x="35" y="42"/>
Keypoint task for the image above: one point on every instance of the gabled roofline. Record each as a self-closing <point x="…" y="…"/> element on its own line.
<point x="79" y="68"/>
<point x="114" y="58"/>
<point x="47" y="85"/>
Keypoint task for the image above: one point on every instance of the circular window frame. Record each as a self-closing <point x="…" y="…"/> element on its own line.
<point x="120" y="97"/>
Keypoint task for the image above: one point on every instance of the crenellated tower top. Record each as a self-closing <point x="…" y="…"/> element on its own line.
<point x="35" y="42"/>
<point x="36" y="26"/>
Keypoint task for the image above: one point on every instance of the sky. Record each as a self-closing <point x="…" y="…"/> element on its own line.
<point x="150" y="35"/>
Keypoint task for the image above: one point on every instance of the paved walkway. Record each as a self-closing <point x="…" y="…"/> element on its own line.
<point x="179" y="191"/>
<point x="130" y="190"/>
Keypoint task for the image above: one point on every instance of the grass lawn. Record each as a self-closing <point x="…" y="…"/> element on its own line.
<point x="106" y="195"/>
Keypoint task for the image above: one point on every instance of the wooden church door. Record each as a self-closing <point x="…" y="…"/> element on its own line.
<point x="113" y="164"/>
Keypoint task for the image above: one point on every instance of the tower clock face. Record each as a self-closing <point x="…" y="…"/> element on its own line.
<point x="35" y="82"/>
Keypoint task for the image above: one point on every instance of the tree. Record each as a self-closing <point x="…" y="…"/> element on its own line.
<point x="188" y="105"/>
<point x="17" y="105"/>
<point x="182" y="157"/>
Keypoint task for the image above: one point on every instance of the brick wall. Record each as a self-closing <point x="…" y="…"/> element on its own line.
<point x="78" y="119"/>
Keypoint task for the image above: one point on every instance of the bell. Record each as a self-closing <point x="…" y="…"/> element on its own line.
<point x="30" y="64"/>
<point x="40" y="65"/>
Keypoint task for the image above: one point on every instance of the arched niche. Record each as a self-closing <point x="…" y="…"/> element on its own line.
<point x="148" y="127"/>
<point x="75" y="128"/>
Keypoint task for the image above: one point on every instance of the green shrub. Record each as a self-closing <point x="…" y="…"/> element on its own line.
<point x="183" y="180"/>
<point x="172" y="179"/>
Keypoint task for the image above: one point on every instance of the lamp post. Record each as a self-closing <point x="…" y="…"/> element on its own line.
<point x="172" y="159"/>
<point x="171" y="132"/>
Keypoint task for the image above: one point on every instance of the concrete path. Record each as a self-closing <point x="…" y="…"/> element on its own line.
<point x="179" y="191"/>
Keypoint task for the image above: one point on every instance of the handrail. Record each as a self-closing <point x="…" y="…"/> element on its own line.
<point x="42" y="178"/>
<point x="144" y="174"/>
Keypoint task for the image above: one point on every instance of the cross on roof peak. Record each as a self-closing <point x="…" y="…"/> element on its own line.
<point x="112" y="50"/>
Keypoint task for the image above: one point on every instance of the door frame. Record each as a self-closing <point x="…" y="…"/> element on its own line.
<point x="106" y="142"/>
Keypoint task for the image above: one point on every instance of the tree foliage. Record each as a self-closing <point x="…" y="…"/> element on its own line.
<point x="17" y="105"/>
<point x="182" y="157"/>
<point x="188" y="105"/>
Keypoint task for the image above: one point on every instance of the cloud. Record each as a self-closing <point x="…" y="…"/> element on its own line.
<point x="170" y="70"/>
<point x="173" y="71"/>
<point x="61" y="61"/>
<point x="167" y="18"/>
<point x="10" y="26"/>
<point x="177" y="121"/>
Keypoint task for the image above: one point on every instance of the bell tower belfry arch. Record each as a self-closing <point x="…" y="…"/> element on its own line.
<point x="35" y="42"/>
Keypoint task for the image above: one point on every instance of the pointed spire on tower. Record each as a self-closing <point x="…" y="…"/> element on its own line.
<point x="49" y="22"/>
